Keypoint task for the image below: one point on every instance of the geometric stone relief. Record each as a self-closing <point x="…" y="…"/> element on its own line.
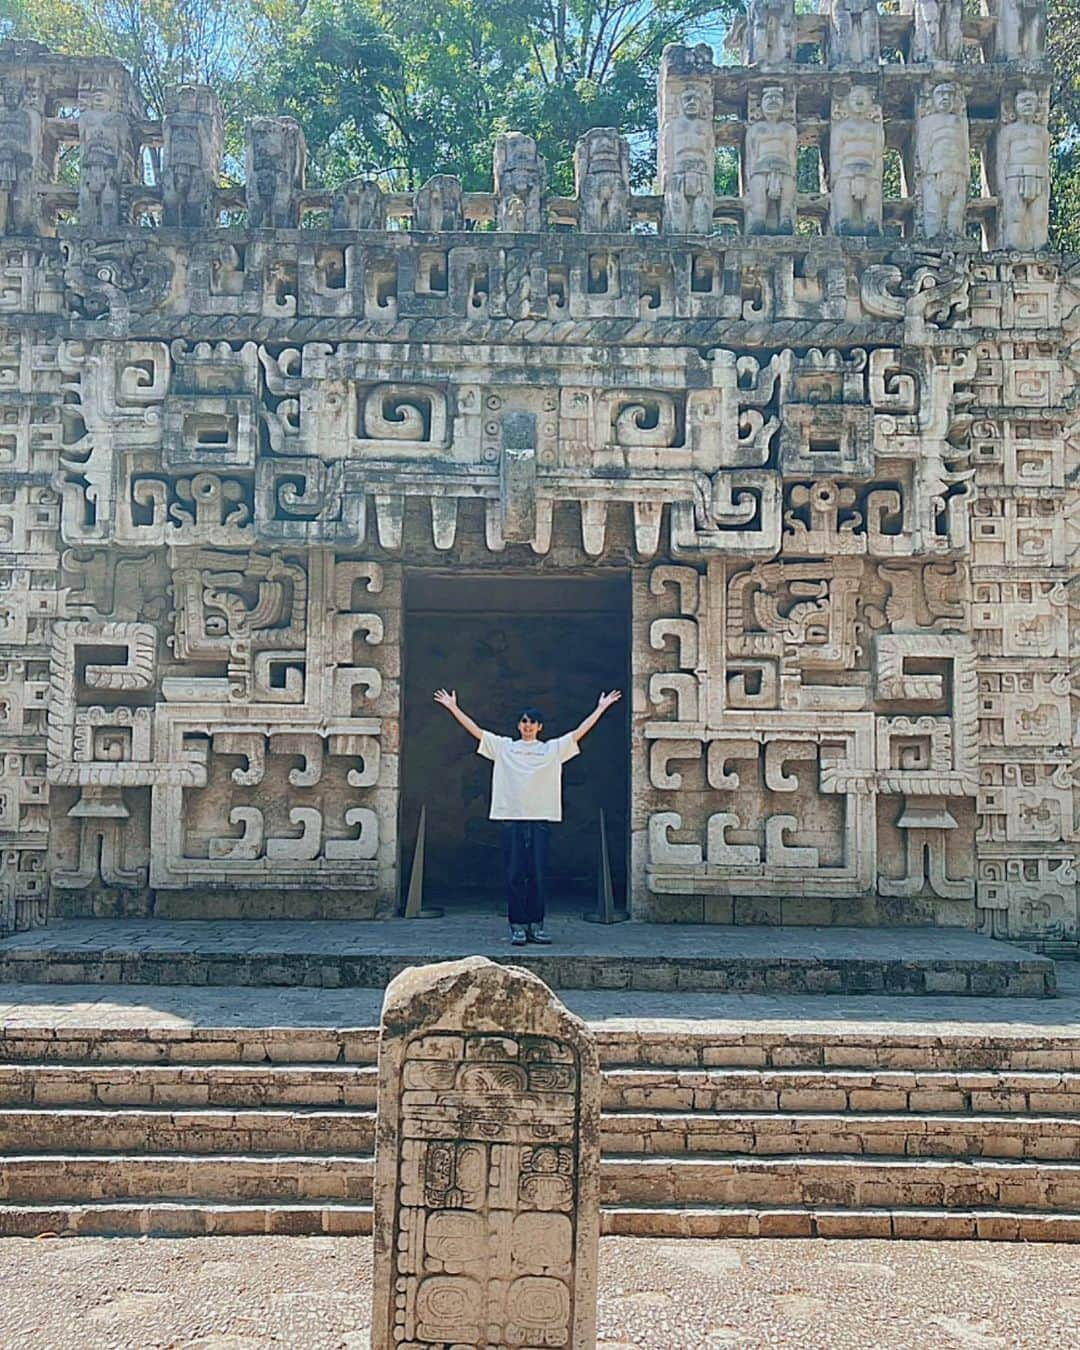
<point x="487" y="1163"/>
<point x="830" y="433"/>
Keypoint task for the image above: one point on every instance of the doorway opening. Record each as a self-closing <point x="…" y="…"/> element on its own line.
<point x="506" y="643"/>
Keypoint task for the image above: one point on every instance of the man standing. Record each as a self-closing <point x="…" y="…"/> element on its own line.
<point x="526" y="794"/>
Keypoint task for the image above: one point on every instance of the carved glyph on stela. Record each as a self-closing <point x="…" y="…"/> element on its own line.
<point x="814" y="386"/>
<point x="486" y="1163"/>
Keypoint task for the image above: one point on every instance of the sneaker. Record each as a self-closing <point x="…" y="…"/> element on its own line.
<point x="534" y="932"/>
<point x="518" y="937"/>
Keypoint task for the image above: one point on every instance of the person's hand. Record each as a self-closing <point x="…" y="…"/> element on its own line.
<point x="448" y="698"/>
<point x="606" y="700"/>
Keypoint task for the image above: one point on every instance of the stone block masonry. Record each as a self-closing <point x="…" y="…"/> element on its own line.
<point x="827" y="424"/>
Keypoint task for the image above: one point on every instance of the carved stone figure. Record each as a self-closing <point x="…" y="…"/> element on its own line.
<point x="856" y="163"/>
<point x="943" y="160"/>
<point x="191" y="155"/>
<point x="275" y="159"/>
<point x="938" y="34"/>
<point x="770" y="33"/>
<point x="439" y="204"/>
<point x="1023" y="180"/>
<point x="1021" y="30"/>
<point x="106" y="154"/>
<point x="602" y="180"/>
<point x="520" y="184"/>
<point x="854" y="33"/>
<point x="486" y="1163"/>
<point x="687" y="142"/>
<point x="21" y="154"/>
<point x="358" y="204"/>
<point x="772" y="152"/>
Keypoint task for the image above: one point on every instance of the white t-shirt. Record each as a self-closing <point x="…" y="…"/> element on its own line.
<point x="526" y="783"/>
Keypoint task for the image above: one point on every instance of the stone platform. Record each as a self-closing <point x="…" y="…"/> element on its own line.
<point x="639" y="957"/>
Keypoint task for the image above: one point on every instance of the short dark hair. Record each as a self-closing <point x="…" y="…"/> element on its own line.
<point x="530" y="715"/>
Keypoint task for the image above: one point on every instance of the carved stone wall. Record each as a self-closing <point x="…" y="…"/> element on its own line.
<point x="832" y="434"/>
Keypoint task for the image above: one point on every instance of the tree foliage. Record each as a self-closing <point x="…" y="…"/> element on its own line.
<point x="162" y="42"/>
<point x="1063" y="48"/>
<point x="454" y="73"/>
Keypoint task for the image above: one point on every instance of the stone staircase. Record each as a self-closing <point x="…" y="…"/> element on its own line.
<point x="194" y="1131"/>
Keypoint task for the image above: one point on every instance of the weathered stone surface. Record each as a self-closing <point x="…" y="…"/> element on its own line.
<point x="487" y="1163"/>
<point x="830" y="435"/>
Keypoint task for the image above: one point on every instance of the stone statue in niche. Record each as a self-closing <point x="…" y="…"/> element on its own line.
<point x="854" y="33"/>
<point x="440" y="204"/>
<point x="856" y="163"/>
<point x="1021" y="30"/>
<point x="520" y="184"/>
<point x="106" y="158"/>
<point x="358" y="204"/>
<point x="21" y="142"/>
<point x="772" y="150"/>
<point x="99" y="181"/>
<point x="1023" y="180"/>
<point x="191" y="155"/>
<point x="943" y="160"/>
<point x="602" y="181"/>
<point x="770" y="32"/>
<point x="938" y="34"/>
<point x="687" y="140"/>
<point x="276" y="158"/>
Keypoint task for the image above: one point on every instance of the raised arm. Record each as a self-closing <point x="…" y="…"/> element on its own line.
<point x="602" y="705"/>
<point x="448" y="699"/>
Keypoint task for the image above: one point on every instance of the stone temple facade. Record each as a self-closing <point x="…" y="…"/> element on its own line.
<point x="824" y="431"/>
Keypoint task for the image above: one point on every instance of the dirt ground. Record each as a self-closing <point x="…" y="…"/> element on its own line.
<point x="248" y="1293"/>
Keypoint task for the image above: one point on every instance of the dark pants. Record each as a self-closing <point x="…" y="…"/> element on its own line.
<point x="525" y="850"/>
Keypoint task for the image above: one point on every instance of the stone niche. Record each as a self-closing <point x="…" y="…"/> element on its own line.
<point x="487" y="1164"/>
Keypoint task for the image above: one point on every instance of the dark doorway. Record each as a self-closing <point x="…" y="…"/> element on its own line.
<point x="504" y="643"/>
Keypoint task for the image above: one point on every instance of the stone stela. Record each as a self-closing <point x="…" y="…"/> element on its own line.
<point x="486" y="1165"/>
<point x="819" y="406"/>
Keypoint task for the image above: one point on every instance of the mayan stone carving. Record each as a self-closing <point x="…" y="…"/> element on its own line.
<point x="487" y="1163"/>
<point x="943" y="153"/>
<point x="772" y="163"/>
<point x="825" y="424"/>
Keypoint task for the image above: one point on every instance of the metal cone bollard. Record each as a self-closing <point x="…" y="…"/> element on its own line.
<point x="414" y="901"/>
<point x="605" y="894"/>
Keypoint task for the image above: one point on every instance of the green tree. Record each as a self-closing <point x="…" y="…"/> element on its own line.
<point x="456" y="72"/>
<point x="1063" y="49"/>
<point x="223" y="43"/>
<point x="335" y="69"/>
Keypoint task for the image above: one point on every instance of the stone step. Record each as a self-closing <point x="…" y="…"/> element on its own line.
<point x="842" y="1182"/>
<point x="865" y="1090"/>
<point x="301" y="1131"/>
<point x="212" y="1046"/>
<point x="706" y="958"/>
<point x="717" y="1046"/>
<point x="179" y="1219"/>
<point x="862" y="1048"/>
<point x="194" y="1219"/>
<point x="67" y="1178"/>
<point x="310" y="1131"/>
<point x="751" y="1221"/>
<point x="313" y="1131"/>
<point x="188" y="1085"/>
<point x="27" y="1083"/>
<point x="892" y="1136"/>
